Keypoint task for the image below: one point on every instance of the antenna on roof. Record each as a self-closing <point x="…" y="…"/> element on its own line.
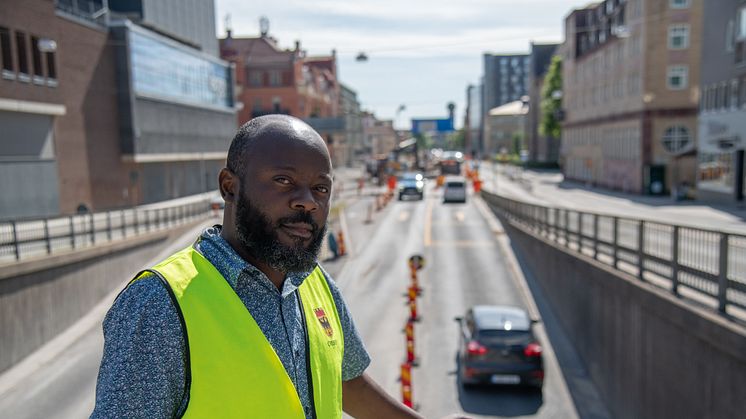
<point x="227" y="23"/>
<point x="264" y="26"/>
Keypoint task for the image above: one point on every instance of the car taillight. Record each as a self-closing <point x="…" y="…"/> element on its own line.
<point x="475" y="348"/>
<point x="532" y="349"/>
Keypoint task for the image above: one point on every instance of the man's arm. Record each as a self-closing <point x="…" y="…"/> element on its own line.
<point x="142" y="370"/>
<point x="364" y="398"/>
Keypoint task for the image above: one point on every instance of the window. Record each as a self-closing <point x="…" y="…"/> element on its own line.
<point x="275" y="78"/>
<point x="257" y="105"/>
<point x="677" y="77"/>
<point x="6" y="54"/>
<point x="678" y="36"/>
<point x="36" y="58"/>
<point x="741" y="35"/>
<point x="734" y="93"/>
<point x="729" y="36"/>
<point x="22" y="53"/>
<point x="51" y="68"/>
<point x="679" y="4"/>
<point x="676" y="139"/>
<point x="255" y="78"/>
<point x="276" y="104"/>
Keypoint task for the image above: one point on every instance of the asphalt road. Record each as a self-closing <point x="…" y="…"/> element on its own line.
<point x="466" y="264"/>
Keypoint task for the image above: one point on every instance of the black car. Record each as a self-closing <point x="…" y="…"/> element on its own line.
<point x="411" y="184"/>
<point x="497" y="346"/>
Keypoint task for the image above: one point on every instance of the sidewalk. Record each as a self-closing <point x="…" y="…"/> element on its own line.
<point x="549" y="188"/>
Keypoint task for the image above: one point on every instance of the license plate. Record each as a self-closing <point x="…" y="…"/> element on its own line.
<point x="505" y="379"/>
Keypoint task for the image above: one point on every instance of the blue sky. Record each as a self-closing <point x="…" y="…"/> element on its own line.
<point x="422" y="54"/>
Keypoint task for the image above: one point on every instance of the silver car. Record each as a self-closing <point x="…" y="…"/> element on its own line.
<point x="455" y="189"/>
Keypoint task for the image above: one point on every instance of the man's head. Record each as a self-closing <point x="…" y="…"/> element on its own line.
<point x="277" y="188"/>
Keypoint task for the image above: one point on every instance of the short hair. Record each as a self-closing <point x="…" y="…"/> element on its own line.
<point x="241" y="145"/>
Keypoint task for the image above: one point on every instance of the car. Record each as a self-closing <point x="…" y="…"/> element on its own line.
<point x="454" y="189"/>
<point x="411" y="184"/>
<point x="497" y="345"/>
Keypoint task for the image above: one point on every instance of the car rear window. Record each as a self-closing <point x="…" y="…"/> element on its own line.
<point x="455" y="184"/>
<point x="505" y="337"/>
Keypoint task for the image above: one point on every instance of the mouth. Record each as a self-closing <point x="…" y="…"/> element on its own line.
<point x="296" y="231"/>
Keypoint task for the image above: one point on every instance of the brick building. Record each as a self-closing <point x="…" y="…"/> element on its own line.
<point x="630" y="93"/>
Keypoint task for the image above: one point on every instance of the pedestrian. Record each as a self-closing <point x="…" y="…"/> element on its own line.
<point x="245" y="323"/>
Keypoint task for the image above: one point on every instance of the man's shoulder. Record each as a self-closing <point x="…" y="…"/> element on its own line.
<point x="147" y="294"/>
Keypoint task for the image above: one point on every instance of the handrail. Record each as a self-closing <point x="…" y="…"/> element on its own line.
<point x="32" y="238"/>
<point x="709" y="264"/>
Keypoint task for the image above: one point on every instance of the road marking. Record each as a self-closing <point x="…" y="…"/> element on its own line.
<point x="403" y="216"/>
<point x="428" y="223"/>
<point x="465" y="243"/>
<point x="459" y="215"/>
<point x="343" y="226"/>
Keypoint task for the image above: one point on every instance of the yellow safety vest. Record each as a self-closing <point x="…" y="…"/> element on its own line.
<point x="235" y="372"/>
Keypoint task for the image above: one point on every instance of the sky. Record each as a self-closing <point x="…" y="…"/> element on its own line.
<point x="421" y="54"/>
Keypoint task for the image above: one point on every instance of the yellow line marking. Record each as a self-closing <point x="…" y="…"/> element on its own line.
<point x="428" y="223"/>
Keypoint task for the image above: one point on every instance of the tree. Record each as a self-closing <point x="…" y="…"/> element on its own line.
<point x="551" y="100"/>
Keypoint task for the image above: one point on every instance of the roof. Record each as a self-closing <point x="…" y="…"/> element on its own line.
<point x="509" y="109"/>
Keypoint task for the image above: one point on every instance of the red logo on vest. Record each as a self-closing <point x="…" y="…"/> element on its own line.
<point x="324" y="321"/>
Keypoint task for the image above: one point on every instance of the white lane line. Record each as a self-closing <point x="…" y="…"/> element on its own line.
<point x="428" y="239"/>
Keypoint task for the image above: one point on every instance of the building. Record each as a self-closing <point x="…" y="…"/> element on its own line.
<point x="379" y="136"/>
<point x="630" y="93"/>
<point x="473" y="120"/>
<point x="505" y="80"/>
<point x="96" y="110"/>
<point x="350" y="110"/>
<point x="287" y="81"/>
<point x="505" y="129"/>
<point x="722" y="115"/>
<point x="541" y="149"/>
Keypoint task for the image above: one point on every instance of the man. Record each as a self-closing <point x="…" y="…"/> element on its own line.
<point x="244" y="323"/>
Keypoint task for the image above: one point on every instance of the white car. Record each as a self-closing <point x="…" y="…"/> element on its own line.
<point x="454" y="190"/>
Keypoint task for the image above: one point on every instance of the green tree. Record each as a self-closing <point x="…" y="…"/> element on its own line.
<point x="456" y="140"/>
<point x="551" y="100"/>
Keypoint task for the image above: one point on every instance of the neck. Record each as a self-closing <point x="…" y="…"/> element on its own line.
<point x="275" y="276"/>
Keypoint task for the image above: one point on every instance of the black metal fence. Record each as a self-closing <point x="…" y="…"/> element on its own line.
<point x="23" y="239"/>
<point x="705" y="265"/>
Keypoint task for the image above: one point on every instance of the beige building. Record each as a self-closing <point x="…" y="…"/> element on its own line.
<point x="379" y="136"/>
<point x="630" y="94"/>
<point x="505" y="128"/>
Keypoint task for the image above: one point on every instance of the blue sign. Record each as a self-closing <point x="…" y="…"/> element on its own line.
<point x="421" y="126"/>
<point x="165" y="71"/>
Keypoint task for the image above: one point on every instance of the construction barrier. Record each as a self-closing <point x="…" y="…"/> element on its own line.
<point x="341" y="243"/>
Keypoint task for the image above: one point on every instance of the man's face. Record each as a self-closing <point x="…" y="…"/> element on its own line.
<point x="283" y="204"/>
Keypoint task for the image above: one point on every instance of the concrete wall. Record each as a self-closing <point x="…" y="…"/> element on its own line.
<point x="650" y="355"/>
<point x="41" y="298"/>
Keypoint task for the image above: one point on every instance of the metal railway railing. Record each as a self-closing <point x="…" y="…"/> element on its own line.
<point x="32" y="238"/>
<point x="706" y="265"/>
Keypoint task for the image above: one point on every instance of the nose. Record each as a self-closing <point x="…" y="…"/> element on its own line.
<point x="303" y="200"/>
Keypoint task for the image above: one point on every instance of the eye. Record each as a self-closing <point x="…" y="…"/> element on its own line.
<point x="322" y="188"/>
<point x="283" y="180"/>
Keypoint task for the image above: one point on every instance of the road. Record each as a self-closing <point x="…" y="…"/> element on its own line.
<point x="467" y="263"/>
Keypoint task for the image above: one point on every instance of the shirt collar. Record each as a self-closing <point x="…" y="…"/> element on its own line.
<point x="234" y="268"/>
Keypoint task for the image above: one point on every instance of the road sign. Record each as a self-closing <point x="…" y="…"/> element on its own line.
<point x="416" y="262"/>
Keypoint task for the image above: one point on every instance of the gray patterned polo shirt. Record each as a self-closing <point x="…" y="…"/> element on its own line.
<point x="142" y="372"/>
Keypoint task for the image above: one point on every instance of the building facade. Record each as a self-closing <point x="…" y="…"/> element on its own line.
<point x="630" y="81"/>
<point x="722" y="115"/>
<point x="350" y="110"/>
<point x="541" y="148"/>
<point x="505" y="129"/>
<point x="505" y="80"/>
<point x="93" y="122"/>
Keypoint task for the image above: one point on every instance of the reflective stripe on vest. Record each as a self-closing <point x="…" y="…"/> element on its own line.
<point x="235" y="372"/>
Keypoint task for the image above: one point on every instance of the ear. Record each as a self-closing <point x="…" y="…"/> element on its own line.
<point x="229" y="184"/>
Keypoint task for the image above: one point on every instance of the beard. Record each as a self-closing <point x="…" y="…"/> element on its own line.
<point x="258" y="235"/>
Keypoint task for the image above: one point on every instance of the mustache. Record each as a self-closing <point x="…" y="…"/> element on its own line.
<point x="300" y="217"/>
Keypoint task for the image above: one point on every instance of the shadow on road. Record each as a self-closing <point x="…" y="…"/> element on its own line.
<point x="499" y="400"/>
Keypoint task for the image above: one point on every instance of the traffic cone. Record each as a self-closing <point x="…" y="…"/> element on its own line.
<point x="410" y="350"/>
<point x="413" y="310"/>
<point x="406" y="374"/>
<point x="341" y="243"/>
<point x="406" y="395"/>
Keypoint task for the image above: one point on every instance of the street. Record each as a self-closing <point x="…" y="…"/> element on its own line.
<point x="465" y="265"/>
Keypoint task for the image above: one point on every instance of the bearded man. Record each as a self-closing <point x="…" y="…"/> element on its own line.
<point x="245" y="323"/>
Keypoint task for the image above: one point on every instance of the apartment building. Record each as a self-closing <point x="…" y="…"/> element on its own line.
<point x="630" y="92"/>
<point x="722" y="114"/>
<point x="541" y="148"/>
<point x="506" y="78"/>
